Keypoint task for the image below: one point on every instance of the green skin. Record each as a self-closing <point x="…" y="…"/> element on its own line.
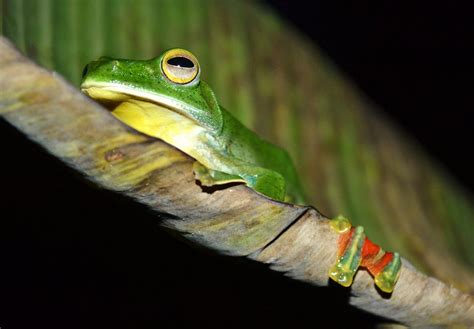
<point x="188" y="116"/>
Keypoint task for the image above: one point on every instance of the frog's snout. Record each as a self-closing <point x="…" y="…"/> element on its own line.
<point x="105" y="59"/>
<point x="85" y="71"/>
<point x="92" y="66"/>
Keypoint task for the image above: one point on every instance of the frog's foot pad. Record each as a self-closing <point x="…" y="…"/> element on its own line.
<point x="209" y="177"/>
<point x="356" y="250"/>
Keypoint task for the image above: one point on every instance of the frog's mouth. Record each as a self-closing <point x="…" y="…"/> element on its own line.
<point x="152" y="115"/>
<point x="111" y="96"/>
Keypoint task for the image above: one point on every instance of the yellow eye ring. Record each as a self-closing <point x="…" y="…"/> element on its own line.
<point x="180" y="66"/>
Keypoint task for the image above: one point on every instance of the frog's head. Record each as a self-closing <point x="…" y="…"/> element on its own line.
<point x="170" y="80"/>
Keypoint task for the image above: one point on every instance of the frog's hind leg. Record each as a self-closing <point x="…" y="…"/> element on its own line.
<point x="261" y="180"/>
<point x="355" y="250"/>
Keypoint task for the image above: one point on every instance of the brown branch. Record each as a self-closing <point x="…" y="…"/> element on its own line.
<point x="236" y="221"/>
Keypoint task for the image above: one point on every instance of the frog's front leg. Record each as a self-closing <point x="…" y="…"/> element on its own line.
<point x="355" y="250"/>
<point x="209" y="177"/>
<point x="264" y="181"/>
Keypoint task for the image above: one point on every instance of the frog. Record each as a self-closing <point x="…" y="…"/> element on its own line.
<point x="165" y="98"/>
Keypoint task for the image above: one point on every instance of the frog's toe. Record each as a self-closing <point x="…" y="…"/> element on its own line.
<point x="202" y="174"/>
<point x="349" y="257"/>
<point x="388" y="276"/>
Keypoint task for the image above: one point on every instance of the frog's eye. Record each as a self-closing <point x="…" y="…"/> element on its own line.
<point x="180" y="66"/>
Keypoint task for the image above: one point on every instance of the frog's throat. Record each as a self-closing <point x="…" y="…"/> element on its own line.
<point x="155" y="120"/>
<point x="111" y="95"/>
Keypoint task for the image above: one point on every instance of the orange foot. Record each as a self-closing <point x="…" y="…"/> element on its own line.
<point x="355" y="250"/>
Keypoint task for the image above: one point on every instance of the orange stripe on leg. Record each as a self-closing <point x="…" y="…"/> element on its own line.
<point x="369" y="251"/>
<point x="377" y="267"/>
<point x="344" y="239"/>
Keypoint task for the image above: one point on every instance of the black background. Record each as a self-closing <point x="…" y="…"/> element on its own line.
<point x="415" y="59"/>
<point x="78" y="257"/>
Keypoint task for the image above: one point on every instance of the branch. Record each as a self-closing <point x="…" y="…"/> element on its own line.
<point x="234" y="221"/>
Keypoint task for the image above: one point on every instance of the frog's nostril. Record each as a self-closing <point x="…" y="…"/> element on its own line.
<point x="85" y="70"/>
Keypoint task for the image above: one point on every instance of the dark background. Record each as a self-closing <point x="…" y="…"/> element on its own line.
<point x="77" y="257"/>
<point x="415" y="59"/>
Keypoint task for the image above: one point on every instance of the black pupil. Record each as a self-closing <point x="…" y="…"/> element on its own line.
<point x="181" y="62"/>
